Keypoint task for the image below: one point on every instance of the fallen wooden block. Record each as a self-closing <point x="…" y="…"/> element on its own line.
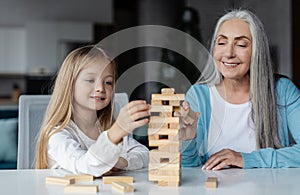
<point x="211" y="182"/>
<point x="110" y="179"/>
<point x="81" y="177"/>
<point x="82" y="189"/>
<point x="59" y="180"/>
<point x="122" y="186"/>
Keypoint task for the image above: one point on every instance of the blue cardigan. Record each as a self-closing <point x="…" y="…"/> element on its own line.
<point x="194" y="152"/>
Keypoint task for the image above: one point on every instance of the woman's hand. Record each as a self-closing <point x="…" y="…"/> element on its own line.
<point x="130" y="117"/>
<point x="224" y="158"/>
<point x="188" y="128"/>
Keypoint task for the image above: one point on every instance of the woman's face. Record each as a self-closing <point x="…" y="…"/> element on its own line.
<point x="233" y="49"/>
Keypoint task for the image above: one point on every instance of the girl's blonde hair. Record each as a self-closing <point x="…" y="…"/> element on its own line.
<point x="60" y="108"/>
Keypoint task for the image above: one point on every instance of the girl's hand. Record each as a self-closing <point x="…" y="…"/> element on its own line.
<point x="129" y="118"/>
<point x="224" y="158"/>
<point x="121" y="164"/>
<point x="187" y="129"/>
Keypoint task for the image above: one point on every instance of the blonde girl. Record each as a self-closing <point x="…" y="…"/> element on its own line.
<point x="79" y="133"/>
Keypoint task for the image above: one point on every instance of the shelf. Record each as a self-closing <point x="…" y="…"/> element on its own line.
<point x="8" y="104"/>
<point x="12" y="76"/>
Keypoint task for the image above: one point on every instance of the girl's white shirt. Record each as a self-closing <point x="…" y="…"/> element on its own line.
<point x="74" y="151"/>
<point x="231" y="126"/>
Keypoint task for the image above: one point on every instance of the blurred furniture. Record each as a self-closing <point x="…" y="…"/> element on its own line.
<point x="31" y="113"/>
<point x="38" y="84"/>
<point x="8" y="136"/>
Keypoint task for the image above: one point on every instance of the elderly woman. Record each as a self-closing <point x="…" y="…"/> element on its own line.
<point x="249" y="117"/>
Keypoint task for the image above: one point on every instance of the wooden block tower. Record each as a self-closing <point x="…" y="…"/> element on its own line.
<point x="163" y="133"/>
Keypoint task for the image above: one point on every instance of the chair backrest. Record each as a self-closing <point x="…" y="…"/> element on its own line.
<point x="31" y="113"/>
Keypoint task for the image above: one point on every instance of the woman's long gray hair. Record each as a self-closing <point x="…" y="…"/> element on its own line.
<point x="262" y="81"/>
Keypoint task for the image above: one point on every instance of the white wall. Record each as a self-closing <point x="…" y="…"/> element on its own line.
<point x="38" y="31"/>
<point x="18" y="12"/>
<point x="276" y="17"/>
<point x="47" y="24"/>
<point x="45" y="39"/>
<point x="12" y="50"/>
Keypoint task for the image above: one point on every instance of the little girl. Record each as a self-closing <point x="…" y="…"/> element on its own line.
<point x="78" y="133"/>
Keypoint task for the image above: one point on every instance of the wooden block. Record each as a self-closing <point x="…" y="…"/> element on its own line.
<point x="152" y="177"/>
<point x="211" y="182"/>
<point x="175" y="103"/>
<point x="161" y="108"/>
<point x="156" y="102"/>
<point x="110" y="179"/>
<point x="164" y="124"/>
<point x="165" y="136"/>
<point x="59" y="180"/>
<point x="167" y="91"/>
<point x="82" y="189"/>
<point x="122" y="186"/>
<point x="170" y="97"/>
<point x="164" y="120"/>
<point x="156" y="156"/>
<point x="163" y="131"/>
<point x="168" y="183"/>
<point x="152" y="137"/>
<point x="158" y="125"/>
<point x="174" y="125"/>
<point x="170" y="147"/>
<point x="165" y="172"/>
<point x="160" y="143"/>
<point x="81" y="177"/>
<point x="164" y="166"/>
<point x="166" y="114"/>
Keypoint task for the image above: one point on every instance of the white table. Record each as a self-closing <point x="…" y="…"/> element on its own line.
<point x="231" y="182"/>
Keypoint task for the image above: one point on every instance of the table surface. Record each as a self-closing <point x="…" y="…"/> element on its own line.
<point x="231" y="182"/>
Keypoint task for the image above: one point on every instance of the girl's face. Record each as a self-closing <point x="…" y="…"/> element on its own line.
<point x="94" y="86"/>
<point x="233" y="49"/>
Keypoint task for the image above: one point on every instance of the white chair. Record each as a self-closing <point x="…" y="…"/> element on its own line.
<point x="31" y="113"/>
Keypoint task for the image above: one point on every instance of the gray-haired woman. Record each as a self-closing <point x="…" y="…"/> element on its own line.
<point x="249" y="116"/>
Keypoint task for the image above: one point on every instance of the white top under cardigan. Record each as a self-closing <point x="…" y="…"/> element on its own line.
<point x="231" y="126"/>
<point x="74" y="151"/>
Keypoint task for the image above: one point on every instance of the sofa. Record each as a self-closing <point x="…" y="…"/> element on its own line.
<point x="8" y="137"/>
